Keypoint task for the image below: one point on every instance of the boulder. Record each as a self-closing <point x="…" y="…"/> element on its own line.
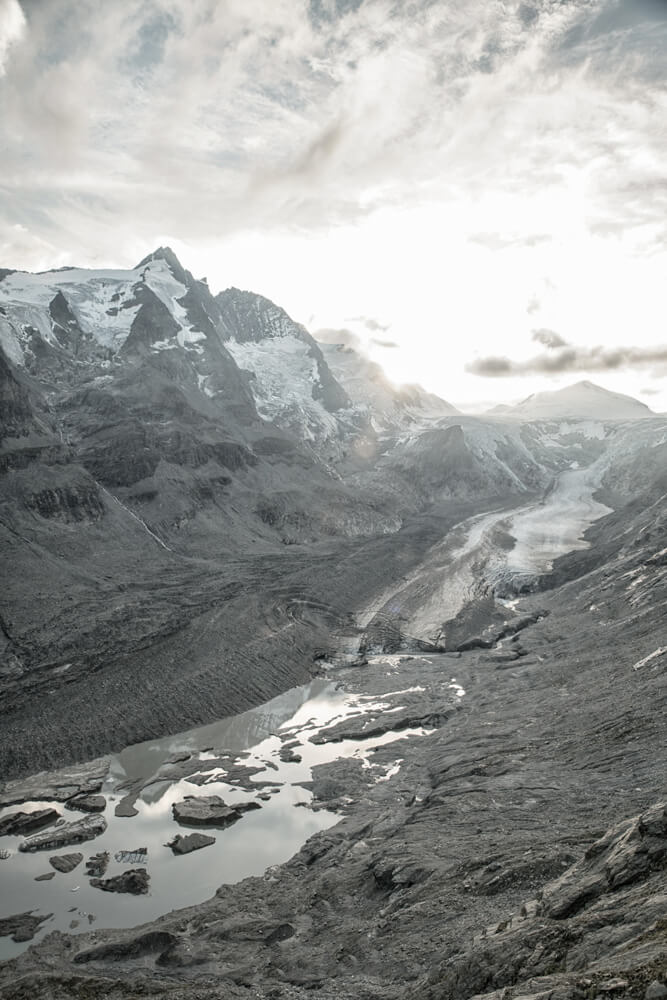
<point x="68" y="833"/>
<point x="134" y="880"/>
<point x="19" y="824"/>
<point x="66" y="862"/>
<point x="97" y="864"/>
<point x="193" y="842"/>
<point x="87" y="803"/>
<point x="209" y="810"/>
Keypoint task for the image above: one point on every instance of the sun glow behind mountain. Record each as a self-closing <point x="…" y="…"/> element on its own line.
<point x="474" y="191"/>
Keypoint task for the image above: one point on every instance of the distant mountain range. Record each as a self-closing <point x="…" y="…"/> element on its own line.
<point x="581" y="401"/>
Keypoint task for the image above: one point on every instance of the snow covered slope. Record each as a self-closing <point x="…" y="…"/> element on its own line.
<point x="77" y="324"/>
<point x="582" y="401"/>
<point x="291" y="382"/>
<point x="98" y="306"/>
<point x="392" y="408"/>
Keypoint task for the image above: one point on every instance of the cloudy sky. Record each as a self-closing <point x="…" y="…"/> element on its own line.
<point x="475" y="192"/>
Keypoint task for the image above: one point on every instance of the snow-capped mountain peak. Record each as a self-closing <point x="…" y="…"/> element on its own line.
<point x="583" y="400"/>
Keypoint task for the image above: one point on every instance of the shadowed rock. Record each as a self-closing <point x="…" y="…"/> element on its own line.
<point x="97" y="864"/>
<point x="21" y="823"/>
<point x="134" y="880"/>
<point x="87" y="803"/>
<point x="22" y="926"/>
<point x="58" y="786"/>
<point x="66" y="862"/>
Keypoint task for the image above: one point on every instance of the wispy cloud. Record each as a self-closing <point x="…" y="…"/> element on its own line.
<point x="386" y="344"/>
<point x="370" y="323"/>
<point x="12" y="28"/>
<point x="203" y="118"/>
<point x="341" y="336"/>
<point x="564" y="360"/>
<point x="549" y="338"/>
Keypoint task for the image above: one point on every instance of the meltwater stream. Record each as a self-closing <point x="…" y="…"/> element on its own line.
<point x="263" y="837"/>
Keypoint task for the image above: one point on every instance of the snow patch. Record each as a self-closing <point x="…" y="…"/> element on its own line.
<point x="285" y="375"/>
<point x="660" y="651"/>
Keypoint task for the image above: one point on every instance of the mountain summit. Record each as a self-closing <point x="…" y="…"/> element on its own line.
<point x="583" y="400"/>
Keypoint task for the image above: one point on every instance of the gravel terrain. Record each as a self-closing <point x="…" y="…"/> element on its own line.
<point x="517" y="850"/>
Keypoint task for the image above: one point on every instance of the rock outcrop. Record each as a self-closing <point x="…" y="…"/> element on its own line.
<point x="209" y="810"/>
<point x="68" y="833"/>
<point x="134" y="881"/>
<point x="193" y="842"/>
<point x="19" y="824"/>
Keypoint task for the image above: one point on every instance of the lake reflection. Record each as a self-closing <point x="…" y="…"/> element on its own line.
<point x="262" y="838"/>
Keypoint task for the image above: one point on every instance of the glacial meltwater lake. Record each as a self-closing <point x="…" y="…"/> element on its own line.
<point x="263" y="837"/>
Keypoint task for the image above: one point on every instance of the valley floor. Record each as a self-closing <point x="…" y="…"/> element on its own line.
<point x="197" y="641"/>
<point x="518" y="849"/>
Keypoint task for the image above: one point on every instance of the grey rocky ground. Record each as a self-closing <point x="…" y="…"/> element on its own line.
<point x="518" y="849"/>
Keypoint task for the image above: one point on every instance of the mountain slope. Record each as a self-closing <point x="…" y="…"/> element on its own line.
<point x="290" y="379"/>
<point x="517" y="848"/>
